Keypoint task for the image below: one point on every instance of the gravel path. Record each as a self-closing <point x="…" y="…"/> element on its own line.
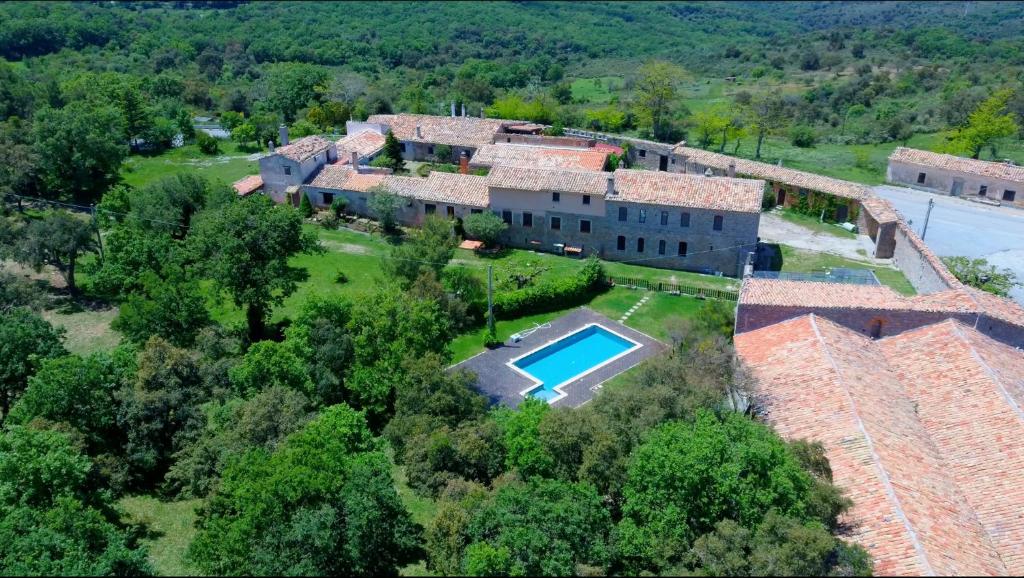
<point x="775" y="229"/>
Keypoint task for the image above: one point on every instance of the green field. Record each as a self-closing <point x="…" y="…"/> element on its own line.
<point x="812" y="223"/>
<point x="599" y="90"/>
<point x="228" y="166"/>
<point x="167" y="531"/>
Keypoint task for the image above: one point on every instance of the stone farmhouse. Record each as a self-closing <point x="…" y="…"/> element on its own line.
<point x="539" y="157"/>
<point x="1002" y="182"/>
<point x="421" y="134"/>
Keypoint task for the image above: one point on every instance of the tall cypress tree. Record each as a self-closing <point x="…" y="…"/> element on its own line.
<point x="393" y="151"/>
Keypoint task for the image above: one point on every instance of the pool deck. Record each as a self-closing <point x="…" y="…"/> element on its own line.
<point x="502" y="385"/>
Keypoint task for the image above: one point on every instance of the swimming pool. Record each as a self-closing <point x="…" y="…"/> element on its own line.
<point x="568" y="358"/>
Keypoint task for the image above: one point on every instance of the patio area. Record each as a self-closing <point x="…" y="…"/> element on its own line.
<point x="503" y="385"/>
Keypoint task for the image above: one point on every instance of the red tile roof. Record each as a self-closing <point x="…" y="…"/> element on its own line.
<point x="248" y="185"/>
<point x="991" y="169"/>
<point x="465" y="131"/>
<point x="342" y="177"/>
<point x="363" y="143"/>
<point x="304" y="148"/>
<point x="661" y="188"/>
<point x="539" y="157"/>
<point x="923" y="431"/>
<point x="880" y="209"/>
<point x="455" y="188"/>
<point x="526" y="179"/>
<point x="775" y="173"/>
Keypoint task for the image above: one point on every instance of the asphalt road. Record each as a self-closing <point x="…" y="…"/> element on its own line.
<point x="959" y="227"/>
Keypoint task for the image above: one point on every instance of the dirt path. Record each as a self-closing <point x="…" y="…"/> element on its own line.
<point x="775" y="229"/>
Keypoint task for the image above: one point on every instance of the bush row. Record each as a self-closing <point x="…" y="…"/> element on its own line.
<point x="552" y="295"/>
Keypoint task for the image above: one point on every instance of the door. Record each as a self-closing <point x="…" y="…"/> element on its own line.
<point x="781" y="200"/>
<point x="663" y="163"/>
<point x="958" y="187"/>
<point x="842" y="213"/>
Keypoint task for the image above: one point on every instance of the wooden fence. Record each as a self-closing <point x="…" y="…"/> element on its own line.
<point x="701" y="292"/>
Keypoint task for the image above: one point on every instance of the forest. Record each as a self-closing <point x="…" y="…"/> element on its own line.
<point x="321" y="434"/>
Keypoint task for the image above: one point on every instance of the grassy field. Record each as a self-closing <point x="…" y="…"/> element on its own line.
<point x="168" y="531"/>
<point x="800" y="261"/>
<point x="87" y="331"/>
<point x="596" y="90"/>
<point x="815" y="225"/>
<point x="228" y="166"/>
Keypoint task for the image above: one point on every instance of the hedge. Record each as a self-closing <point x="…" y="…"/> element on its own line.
<point x="552" y="295"/>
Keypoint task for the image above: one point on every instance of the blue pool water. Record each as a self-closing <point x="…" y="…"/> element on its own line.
<point x="569" y="357"/>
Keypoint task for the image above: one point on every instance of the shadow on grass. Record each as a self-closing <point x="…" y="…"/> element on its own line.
<point x="769" y="257"/>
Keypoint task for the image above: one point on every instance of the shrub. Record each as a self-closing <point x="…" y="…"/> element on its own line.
<point x="306" y="207"/>
<point x="330" y="221"/>
<point x="486" y="227"/>
<point x="206" y="143"/>
<point x="552" y="295"/>
<point x="443" y="153"/>
<point x="802" y="136"/>
<point x="341" y="278"/>
<point x="338" y="206"/>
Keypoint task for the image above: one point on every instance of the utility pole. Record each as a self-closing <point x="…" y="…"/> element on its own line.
<point x="490" y="299"/>
<point x="931" y="203"/>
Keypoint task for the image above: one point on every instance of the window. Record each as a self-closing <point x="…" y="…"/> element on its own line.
<point x="684" y="220"/>
<point x="430" y="150"/>
<point x="682" y="248"/>
<point x="643" y="215"/>
<point x="586" y="199"/>
<point x="556" y="197"/>
<point x="718" y="223"/>
<point x="983" y="190"/>
<point x="920" y="178"/>
<point x="556" y="223"/>
<point x="661" y="247"/>
<point x="402" y="146"/>
<point x="664" y="218"/>
<point x="287" y="170"/>
<point x="328" y="198"/>
<point x="620" y="243"/>
<point x="527" y="219"/>
<point x="507" y="217"/>
<point x="1009" y="195"/>
<point x="622" y="213"/>
<point x="641" y="153"/>
<point x="639" y="244"/>
<point x="429" y="208"/>
<point x="475" y="211"/>
<point x="451" y="212"/>
<point x="584" y="226"/>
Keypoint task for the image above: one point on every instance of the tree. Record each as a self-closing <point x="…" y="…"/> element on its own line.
<point x="319" y="335"/>
<point x="305" y="207"/>
<point x="391" y="156"/>
<point x="26" y="341"/>
<point x="431" y="247"/>
<point x="80" y="147"/>
<point x="244" y="134"/>
<point x="683" y="479"/>
<point x="711" y="123"/>
<point x="802" y="136"/>
<point x="53" y="521"/>
<point x="537" y="528"/>
<point x="270" y="364"/>
<point x="233" y="428"/>
<point x="137" y="117"/>
<point x="58" y="239"/>
<point x="244" y="248"/>
<point x="20" y="165"/>
<point x="292" y="86"/>
<point x="523" y="449"/>
<point x="171" y="308"/>
<point x="655" y="93"/>
<point x="767" y="113"/>
<point x="979" y="274"/>
<point x="322" y="503"/>
<point x="384" y="206"/>
<point x="988" y="123"/>
<point x="207" y="144"/>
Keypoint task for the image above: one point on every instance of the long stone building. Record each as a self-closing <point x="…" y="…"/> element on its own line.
<point x="1001" y="182"/>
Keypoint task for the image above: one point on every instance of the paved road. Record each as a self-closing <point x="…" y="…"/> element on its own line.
<point x="959" y="227"/>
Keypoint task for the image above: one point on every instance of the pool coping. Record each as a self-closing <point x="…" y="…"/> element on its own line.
<point x="559" y="389"/>
<point x="503" y="386"/>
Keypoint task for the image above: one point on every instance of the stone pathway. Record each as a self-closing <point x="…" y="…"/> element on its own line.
<point x="633" y="309"/>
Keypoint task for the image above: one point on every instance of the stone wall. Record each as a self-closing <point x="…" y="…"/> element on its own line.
<point x="541" y="140"/>
<point x="938" y="180"/>
<point x="869" y="322"/>
<point x="923" y="269"/>
<point x="421" y="151"/>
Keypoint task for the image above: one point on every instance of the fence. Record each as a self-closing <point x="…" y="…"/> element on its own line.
<point x="702" y="292"/>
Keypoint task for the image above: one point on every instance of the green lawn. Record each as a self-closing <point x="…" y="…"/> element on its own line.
<point x="227" y="166"/>
<point x="812" y="223"/>
<point x="800" y="261"/>
<point x="87" y="331"/>
<point x="168" y="530"/>
<point x="586" y="90"/>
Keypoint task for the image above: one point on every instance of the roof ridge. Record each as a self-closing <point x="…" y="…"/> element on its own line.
<point x="883" y="474"/>
<point x="991" y="372"/>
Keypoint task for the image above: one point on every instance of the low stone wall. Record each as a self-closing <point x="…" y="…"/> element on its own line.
<point x="923" y="269"/>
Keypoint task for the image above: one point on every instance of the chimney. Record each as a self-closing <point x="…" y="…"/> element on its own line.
<point x="611" y="185"/>
<point x="419" y="132"/>
<point x="464" y="163"/>
<point x="270" y="145"/>
<point x="283" y="134"/>
<point x="732" y="170"/>
<point x="355" y="161"/>
<point x="463" y="109"/>
<point x="453" y="109"/>
<point x="482" y="113"/>
<point x="780" y="162"/>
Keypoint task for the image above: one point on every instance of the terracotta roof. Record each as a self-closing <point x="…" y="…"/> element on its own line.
<point x="363" y="143"/>
<point x="996" y="170"/>
<point x="525" y="179"/>
<point x="248" y="185"/>
<point x="923" y="431"/>
<point x="775" y="173"/>
<point x="999" y="307"/>
<point x="448" y="130"/>
<point x="403" y="186"/>
<point x="661" y="188"/>
<point x="455" y="188"/>
<point x="304" y="148"/>
<point x="880" y="209"/>
<point x="608" y="148"/>
<point x="342" y="177"/>
<point x="539" y="157"/>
